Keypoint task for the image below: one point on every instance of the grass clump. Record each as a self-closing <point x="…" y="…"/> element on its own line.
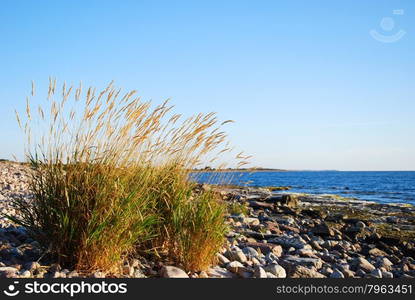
<point x="111" y="177"/>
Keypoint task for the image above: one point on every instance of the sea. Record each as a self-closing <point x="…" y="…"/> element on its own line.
<point x="377" y="186"/>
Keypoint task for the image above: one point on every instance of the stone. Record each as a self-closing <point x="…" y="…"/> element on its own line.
<point x="288" y="242"/>
<point x="251" y="221"/>
<point x="271" y="258"/>
<point x="218" y="272"/>
<point x="250" y="252"/>
<point x="376" y="273"/>
<point x="384" y="262"/>
<point x="336" y="274"/>
<point x="8" y="272"/>
<point x="304" y="261"/>
<point x="245" y="275"/>
<point x="377" y="252"/>
<point x="235" y="267"/>
<point x="326" y="271"/>
<point x="273" y="227"/>
<point x="72" y="274"/>
<point x="363" y="264"/>
<point x="255" y="262"/>
<point x="307" y="253"/>
<point x="57" y="274"/>
<point x="289" y="228"/>
<point x="259" y="204"/>
<point x="138" y="274"/>
<point x="303" y="272"/>
<point x="203" y="274"/>
<point x="360" y="224"/>
<point x="239" y="256"/>
<point x="173" y="272"/>
<point x="98" y="275"/>
<point x="266" y="248"/>
<point x="348" y="273"/>
<point x="387" y="275"/>
<point x="360" y="273"/>
<point x="259" y="235"/>
<point x="291" y="250"/>
<point x="316" y="245"/>
<point x="259" y="272"/>
<point x="223" y="260"/>
<point x="276" y="270"/>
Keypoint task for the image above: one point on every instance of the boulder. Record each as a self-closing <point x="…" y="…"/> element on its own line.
<point x="250" y="252"/>
<point x="218" y="272"/>
<point x="222" y="259"/>
<point x="376" y="273"/>
<point x="173" y="272"/>
<point x="266" y="248"/>
<point x="238" y="255"/>
<point x="383" y="262"/>
<point x="361" y="263"/>
<point x="276" y="270"/>
<point x="259" y="272"/>
<point x="303" y="272"/>
<point x="303" y="261"/>
<point x="377" y="252"/>
<point x="236" y="267"/>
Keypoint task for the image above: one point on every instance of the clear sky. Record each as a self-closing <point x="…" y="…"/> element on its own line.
<point x="306" y="82"/>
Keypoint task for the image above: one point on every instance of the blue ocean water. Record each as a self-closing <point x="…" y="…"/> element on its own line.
<point x="383" y="187"/>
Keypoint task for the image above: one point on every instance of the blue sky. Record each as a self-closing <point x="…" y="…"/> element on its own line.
<point x="306" y="83"/>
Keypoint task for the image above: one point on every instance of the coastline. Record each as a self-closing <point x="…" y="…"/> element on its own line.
<point x="272" y="235"/>
<point x="250" y="170"/>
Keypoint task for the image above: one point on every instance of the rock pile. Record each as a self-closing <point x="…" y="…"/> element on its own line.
<point x="280" y="235"/>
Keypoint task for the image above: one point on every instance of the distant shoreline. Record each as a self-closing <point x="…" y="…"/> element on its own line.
<point x="283" y="170"/>
<point x="239" y="170"/>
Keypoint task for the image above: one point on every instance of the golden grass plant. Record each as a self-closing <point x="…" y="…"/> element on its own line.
<point x="111" y="175"/>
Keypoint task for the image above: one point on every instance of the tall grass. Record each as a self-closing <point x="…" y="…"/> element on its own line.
<point x="111" y="177"/>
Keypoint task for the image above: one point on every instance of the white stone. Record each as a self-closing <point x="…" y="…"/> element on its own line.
<point x="173" y="272"/>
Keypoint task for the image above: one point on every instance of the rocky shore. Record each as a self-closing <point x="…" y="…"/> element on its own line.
<point x="272" y="235"/>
